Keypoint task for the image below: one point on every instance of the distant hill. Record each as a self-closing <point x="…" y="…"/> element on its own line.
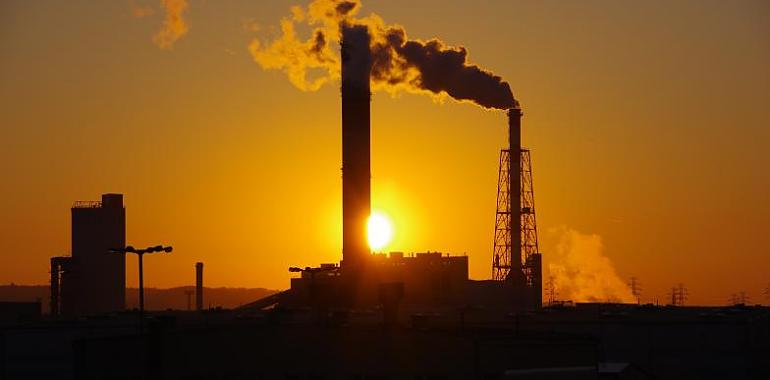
<point x="154" y="299"/>
<point x="175" y="298"/>
<point x="25" y="293"/>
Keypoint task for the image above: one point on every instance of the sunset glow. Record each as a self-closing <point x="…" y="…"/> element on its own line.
<point x="228" y="124"/>
<point x="380" y="230"/>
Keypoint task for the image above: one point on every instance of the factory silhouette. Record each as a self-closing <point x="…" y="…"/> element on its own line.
<point x="373" y="316"/>
<point x="93" y="279"/>
<point x="429" y="278"/>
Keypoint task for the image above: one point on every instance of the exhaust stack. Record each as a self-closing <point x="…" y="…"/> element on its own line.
<point x="198" y="286"/>
<point x="514" y="179"/>
<point x="356" y="144"/>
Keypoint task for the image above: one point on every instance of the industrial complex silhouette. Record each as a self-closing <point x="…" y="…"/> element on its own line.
<point x="371" y="316"/>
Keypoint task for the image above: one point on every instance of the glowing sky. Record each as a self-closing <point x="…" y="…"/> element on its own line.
<point x="649" y="124"/>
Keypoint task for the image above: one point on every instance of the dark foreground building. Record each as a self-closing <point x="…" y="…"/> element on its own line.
<point x="587" y="341"/>
<point x="18" y="312"/>
<point x="93" y="279"/>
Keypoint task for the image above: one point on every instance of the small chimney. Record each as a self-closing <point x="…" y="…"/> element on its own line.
<point x="199" y="286"/>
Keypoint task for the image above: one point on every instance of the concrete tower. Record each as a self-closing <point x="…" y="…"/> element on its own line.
<point x="514" y="173"/>
<point x="356" y="144"/>
<point x="100" y="282"/>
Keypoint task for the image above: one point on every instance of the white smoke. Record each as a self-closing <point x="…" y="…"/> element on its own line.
<point x="581" y="272"/>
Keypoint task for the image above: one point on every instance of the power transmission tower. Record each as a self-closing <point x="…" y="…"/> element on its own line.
<point x="683" y="294"/>
<point x="552" y="291"/>
<point x="739" y="298"/>
<point x="679" y="295"/>
<point x="636" y="289"/>
<point x="743" y="298"/>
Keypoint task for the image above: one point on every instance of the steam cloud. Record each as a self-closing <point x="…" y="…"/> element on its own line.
<point x="582" y="273"/>
<point x="140" y="11"/>
<point x="174" y="26"/>
<point x="399" y="64"/>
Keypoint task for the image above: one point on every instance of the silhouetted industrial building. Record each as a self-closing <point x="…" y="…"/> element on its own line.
<point x="363" y="279"/>
<point x="575" y="342"/>
<point x="19" y="312"/>
<point x="93" y="279"/>
<point x="426" y="278"/>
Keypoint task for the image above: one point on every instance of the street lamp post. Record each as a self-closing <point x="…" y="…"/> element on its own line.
<point x="140" y="253"/>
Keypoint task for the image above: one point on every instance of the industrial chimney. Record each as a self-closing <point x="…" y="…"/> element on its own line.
<point x="199" y="286"/>
<point x="514" y="188"/>
<point x="356" y="144"/>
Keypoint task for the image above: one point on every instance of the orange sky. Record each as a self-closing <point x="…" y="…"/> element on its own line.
<point x="648" y="124"/>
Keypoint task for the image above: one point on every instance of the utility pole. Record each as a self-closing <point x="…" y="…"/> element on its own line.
<point x="636" y="289"/>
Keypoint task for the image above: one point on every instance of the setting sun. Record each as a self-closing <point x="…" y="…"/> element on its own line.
<point x="380" y="230"/>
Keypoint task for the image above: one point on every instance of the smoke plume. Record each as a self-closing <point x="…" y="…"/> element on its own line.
<point x="399" y="63"/>
<point x="582" y="273"/>
<point x="140" y="11"/>
<point x="174" y="26"/>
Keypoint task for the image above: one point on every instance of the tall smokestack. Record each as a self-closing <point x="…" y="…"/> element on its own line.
<point x="514" y="172"/>
<point x="356" y="144"/>
<point x="199" y="286"/>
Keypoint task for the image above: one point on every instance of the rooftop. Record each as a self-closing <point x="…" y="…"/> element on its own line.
<point x="87" y="204"/>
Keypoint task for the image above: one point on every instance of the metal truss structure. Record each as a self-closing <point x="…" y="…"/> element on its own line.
<point x="503" y="257"/>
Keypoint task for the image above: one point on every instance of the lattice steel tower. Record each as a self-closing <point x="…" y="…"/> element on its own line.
<point x="516" y="256"/>
<point x="502" y="258"/>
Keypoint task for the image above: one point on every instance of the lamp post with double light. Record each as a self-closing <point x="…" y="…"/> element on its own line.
<point x="140" y="253"/>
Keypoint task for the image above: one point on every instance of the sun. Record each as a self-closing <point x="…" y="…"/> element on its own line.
<point x="380" y="230"/>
